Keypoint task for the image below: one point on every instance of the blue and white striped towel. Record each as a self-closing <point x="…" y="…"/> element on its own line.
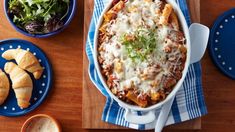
<point x="188" y="104"/>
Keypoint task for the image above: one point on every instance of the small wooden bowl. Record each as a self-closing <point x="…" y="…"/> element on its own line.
<point x="28" y="121"/>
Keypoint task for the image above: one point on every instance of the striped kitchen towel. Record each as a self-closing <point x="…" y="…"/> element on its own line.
<point x="188" y="104"/>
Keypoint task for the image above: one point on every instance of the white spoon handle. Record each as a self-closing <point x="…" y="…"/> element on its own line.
<point x="163" y="116"/>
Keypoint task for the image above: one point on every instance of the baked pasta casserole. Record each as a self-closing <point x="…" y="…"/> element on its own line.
<point x="141" y="50"/>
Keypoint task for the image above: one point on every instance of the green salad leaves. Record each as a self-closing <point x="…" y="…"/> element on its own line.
<point x="140" y="44"/>
<point x="38" y="16"/>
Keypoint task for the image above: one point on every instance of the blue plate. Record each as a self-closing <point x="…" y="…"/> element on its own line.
<point x="222" y="43"/>
<point x="40" y="87"/>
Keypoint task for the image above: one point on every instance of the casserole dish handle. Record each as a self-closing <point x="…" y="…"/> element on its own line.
<point x="146" y="118"/>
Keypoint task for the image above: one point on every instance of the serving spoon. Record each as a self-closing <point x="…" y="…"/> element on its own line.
<point x="199" y="35"/>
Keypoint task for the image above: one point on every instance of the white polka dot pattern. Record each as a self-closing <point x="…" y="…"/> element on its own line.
<point x="41" y="86"/>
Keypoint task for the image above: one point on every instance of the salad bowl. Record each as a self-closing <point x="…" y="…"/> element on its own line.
<point x="67" y="18"/>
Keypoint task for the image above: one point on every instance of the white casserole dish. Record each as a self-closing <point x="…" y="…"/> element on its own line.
<point x="150" y="113"/>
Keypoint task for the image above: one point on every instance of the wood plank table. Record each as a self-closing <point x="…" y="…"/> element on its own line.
<point x="65" y="54"/>
<point x="64" y="101"/>
<point x="219" y="90"/>
<point x="92" y="109"/>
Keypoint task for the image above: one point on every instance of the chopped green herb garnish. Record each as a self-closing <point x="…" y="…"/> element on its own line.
<point x="140" y="44"/>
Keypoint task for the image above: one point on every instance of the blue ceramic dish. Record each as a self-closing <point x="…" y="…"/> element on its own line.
<point x="67" y="20"/>
<point x="41" y="86"/>
<point x="222" y="43"/>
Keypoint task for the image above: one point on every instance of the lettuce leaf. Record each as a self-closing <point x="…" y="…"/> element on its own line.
<point x="26" y="12"/>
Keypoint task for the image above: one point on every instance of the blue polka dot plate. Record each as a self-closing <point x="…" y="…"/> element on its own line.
<point x="40" y="87"/>
<point x="222" y="43"/>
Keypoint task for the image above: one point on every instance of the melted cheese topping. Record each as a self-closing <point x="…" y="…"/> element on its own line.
<point x="142" y="74"/>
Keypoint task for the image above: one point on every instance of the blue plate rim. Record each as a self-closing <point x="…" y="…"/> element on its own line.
<point x="66" y="24"/>
<point x="211" y="44"/>
<point x="50" y="76"/>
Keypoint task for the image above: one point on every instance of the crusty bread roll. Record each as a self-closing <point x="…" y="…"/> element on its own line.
<point x="4" y="87"/>
<point x="25" y="60"/>
<point x="21" y="83"/>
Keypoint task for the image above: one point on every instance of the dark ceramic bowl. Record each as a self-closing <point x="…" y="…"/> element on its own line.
<point x="67" y="20"/>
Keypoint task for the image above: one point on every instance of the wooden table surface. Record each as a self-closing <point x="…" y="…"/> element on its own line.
<point x="219" y="90"/>
<point x="65" y="54"/>
<point x="65" y="50"/>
